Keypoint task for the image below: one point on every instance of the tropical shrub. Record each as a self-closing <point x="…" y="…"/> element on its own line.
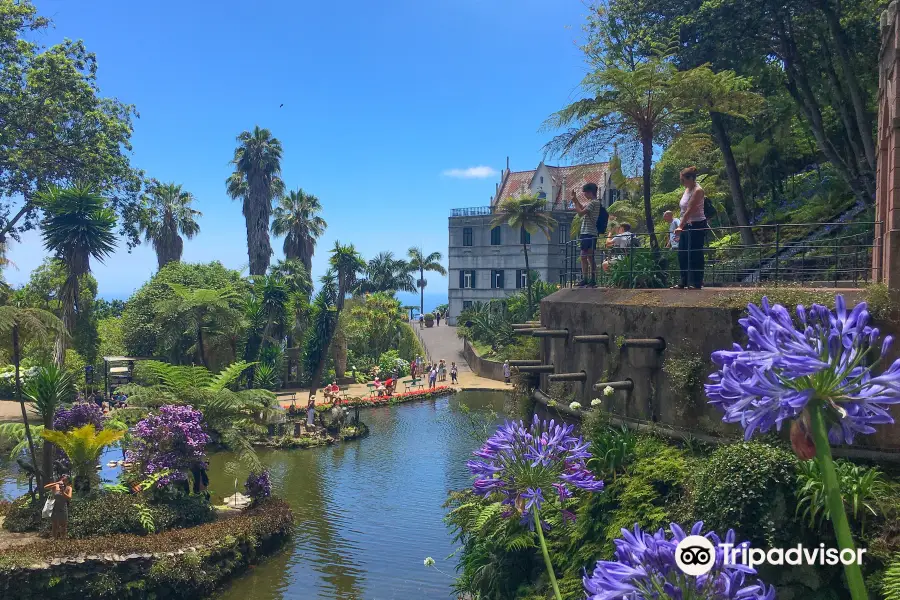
<point x="173" y="440"/>
<point x="8" y="379"/>
<point x="83" y="446"/>
<point x="391" y="360"/>
<point x="638" y="270"/>
<point x="258" y="486"/>
<point x="748" y="487"/>
<point x="862" y="489"/>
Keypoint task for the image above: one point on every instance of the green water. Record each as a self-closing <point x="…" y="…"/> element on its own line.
<point x="367" y="512"/>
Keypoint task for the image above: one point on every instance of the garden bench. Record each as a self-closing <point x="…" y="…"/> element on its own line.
<point x="344" y="392"/>
<point x="415" y="384"/>
<point x="408" y="383"/>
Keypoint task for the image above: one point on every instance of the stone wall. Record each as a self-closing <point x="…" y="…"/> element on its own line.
<point x="693" y="325"/>
<point x="886" y="266"/>
<point x="489" y="369"/>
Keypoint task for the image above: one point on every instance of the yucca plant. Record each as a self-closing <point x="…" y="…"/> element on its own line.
<point x="47" y="390"/>
<point x="83" y="447"/>
<point x="265" y="377"/>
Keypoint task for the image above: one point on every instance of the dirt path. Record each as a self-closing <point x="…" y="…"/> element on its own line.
<point x="11" y="540"/>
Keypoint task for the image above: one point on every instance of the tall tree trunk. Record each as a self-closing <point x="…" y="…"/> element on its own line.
<point x="863" y="121"/>
<point x="16" y="360"/>
<point x="421" y="284"/>
<point x="257" y="209"/>
<point x="528" y="281"/>
<point x="647" y="146"/>
<point x="734" y="178"/>
<point x="69" y="299"/>
<point x="200" y="349"/>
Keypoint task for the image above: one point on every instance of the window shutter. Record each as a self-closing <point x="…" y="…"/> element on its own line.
<point x="500" y="279"/>
<point x="518" y="279"/>
<point x="473" y="278"/>
<point x="461" y="278"/>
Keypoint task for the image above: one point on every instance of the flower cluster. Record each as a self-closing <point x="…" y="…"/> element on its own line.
<point x="824" y="358"/>
<point x="258" y="485"/>
<point x="174" y="439"/>
<point x="608" y="391"/>
<point x="575" y="405"/>
<point x="523" y="463"/>
<point x="645" y="569"/>
<point x="79" y="415"/>
<point x="596" y="402"/>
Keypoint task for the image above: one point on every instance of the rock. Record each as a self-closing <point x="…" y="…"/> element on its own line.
<point x="131" y="557"/>
<point x="55" y="562"/>
<point x="238" y="500"/>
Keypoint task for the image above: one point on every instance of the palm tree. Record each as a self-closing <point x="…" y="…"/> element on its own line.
<point x="384" y="273"/>
<point x="294" y="274"/>
<point x="347" y="263"/>
<point x="47" y="390"/>
<point x="324" y="315"/>
<point x="166" y="216"/>
<point x="257" y="181"/>
<point x="28" y="323"/>
<point x="205" y="313"/>
<point x="527" y="213"/>
<point x="421" y="263"/>
<point x="76" y="227"/>
<point x="83" y="446"/>
<point x="297" y="218"/>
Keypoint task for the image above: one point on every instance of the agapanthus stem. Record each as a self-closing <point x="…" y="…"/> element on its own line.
<point x="834" y="501"/>
<point x="540" y="534"/>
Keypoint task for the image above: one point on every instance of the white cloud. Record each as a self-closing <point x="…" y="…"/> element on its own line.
<point x="480" y="172"/>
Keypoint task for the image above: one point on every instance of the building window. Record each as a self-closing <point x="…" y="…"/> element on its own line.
<point x="542" y="180"/>
<point x="524" y="236"/>
<point x="613" y="195"/>
<point x="466" y="279"/>
<point x="495" y="236"/>
<point x="496" y="279"/>
<point x="467" y="304"/>
<point x="467" y="236"/>
<point x="563" y="233"/>
<point x="521" y="279"/>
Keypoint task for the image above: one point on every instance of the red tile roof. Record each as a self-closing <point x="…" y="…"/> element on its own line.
<point x="515" y="183"/>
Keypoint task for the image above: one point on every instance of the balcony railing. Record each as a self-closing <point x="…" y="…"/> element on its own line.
<point x="472" y="211"/>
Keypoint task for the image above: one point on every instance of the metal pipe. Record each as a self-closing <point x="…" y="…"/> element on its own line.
<point x="591" y="339"/>
<point x="552" y="333"/>
<point x="655" y="343"/>
<point x="537" y="369"/>
<point x="580" y="376"/>
<point x="628" y="385"/>
<point x="524" y="363"/>
<point x="524" y="331"/>
<point x="525" y="325"/>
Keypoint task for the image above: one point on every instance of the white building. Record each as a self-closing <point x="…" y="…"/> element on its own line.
<point x="487" y="263"/>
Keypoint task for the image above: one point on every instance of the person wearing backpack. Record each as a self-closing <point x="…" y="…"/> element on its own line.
<point x="593" y="222"/>
<point x="692" y="231"/>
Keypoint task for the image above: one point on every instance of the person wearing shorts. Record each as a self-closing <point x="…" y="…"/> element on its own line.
<point x="589" y="212"/>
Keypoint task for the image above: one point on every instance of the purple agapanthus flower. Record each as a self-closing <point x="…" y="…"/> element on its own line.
<point x="645" y="569"/>
<point x="827" y="355"/>
<point x="530" y="465"/>
<point x="258" y="485"/>
<point x="78" y="415"/>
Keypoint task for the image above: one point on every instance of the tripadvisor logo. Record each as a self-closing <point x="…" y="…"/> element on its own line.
<point x="696" y="555"/>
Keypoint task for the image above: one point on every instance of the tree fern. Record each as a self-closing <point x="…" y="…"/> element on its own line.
<point x="145" y="516"/>
<point x="891" y="582"/>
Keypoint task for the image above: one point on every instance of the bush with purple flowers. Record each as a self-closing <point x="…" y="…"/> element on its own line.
<point x="78" y="415"/>
<point x="645" y="569"/>
<point x="258" y="486"/>
<point x="530" y="465"/>
<point x="174" y="439"/>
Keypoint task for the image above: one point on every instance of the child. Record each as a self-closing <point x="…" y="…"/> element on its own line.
<point x="453" y="373"/>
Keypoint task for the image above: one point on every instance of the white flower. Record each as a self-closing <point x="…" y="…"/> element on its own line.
<point x="608" y="391"/>
<point x="575" y="406"/>
<point x="596" y="402"/>
<point x="429" y="562"/>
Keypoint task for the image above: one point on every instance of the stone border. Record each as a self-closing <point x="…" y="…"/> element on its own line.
<point x="489" y="369"/>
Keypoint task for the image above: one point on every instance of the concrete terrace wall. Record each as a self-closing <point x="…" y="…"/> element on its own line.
<point x="691" y="324"/>
<point x="482" y="367"/>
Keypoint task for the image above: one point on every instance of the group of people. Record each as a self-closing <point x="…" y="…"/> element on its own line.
<point x="435" y="372"/>
<point x="687" y="234"/>
<point x="437" y="319"/>
<point x="117" y="400"/>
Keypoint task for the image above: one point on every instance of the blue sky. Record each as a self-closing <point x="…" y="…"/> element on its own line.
<point x="381" y="102"/>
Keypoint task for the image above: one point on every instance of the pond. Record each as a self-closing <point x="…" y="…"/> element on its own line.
<point x="367" y="512"/>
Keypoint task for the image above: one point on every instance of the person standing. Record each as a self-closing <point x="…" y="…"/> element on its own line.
<point x="432" y="376"/>
<point x="437" y="318"/>
<point x="674" y="223"/>
<point x="311" y="412"/>
<point x="59" y="518"/>
<point x="413" y="367"/>
<point x="506" y="371"/>
<point x="589" y="211"/>
<point x="454" y="373"/>
<point x="691" y="231"/>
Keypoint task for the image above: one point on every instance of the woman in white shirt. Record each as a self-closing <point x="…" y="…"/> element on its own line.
<point x="692" y="232"/>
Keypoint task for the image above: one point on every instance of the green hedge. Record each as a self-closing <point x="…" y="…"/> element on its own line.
<point x="222" y="549"/>
<point x="110" y="513"/>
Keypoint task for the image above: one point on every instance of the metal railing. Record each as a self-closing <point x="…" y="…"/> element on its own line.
<point x="472" y="211"/>
<point x="788" y="253"/>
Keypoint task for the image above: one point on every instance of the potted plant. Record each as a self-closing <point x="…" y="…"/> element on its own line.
<point x="429" y="320"/>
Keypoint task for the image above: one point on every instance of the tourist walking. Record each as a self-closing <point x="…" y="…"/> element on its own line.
<point x="413" y="367"/>
<point x="692" y="231"/>
<point x="454" y="372"/>
<point x="432" y="377"/>
<point x="437" y="317"/>
<point x="674" y="224"/>
<point x="442" y="371"/>
<point x="506" y="371"/>
<point x="61" y="494"/>
<point x="590" y="211"/>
